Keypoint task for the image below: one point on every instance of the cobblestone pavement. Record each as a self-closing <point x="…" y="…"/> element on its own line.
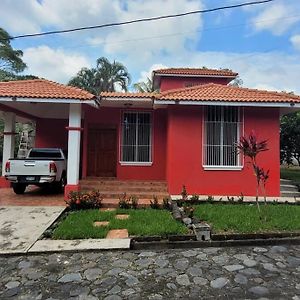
<point x="210" y="273"/>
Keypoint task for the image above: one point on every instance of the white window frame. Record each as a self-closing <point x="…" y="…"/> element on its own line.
<point x="240" y="131"/>
<point x="136" y="163"/>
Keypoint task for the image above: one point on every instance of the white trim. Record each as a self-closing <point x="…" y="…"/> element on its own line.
<point x="143" y="99"/>
<point x="228" y="103"/>
<point x="136" y="164"/>
<point x="222" y="168"/>
<point x="194" y="75"/>
<point x="47" y="100"/>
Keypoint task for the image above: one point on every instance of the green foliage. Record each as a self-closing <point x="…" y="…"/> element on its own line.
<point x="10" y="76"/>
<point x="128" y="202"/>
<point x="84" y="200"/>
<point x="10" y="59"/>
<point x="184" y="194"/>
<point x="167" y="203"/>
<point x="144" y="87"/>
<point x="104" y="78"/>
<point x="194" y="198"/>
<point x="243" y="218"/>
<point x="144" y="222"/>
<point x="289" y="138"/>
<point x="154" y="204"/>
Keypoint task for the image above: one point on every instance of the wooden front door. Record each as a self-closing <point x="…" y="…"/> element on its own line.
<point x="102" y="152"/>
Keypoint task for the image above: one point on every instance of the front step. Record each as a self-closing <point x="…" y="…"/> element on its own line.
<point x="288" y="188"/>
<point x="112" y="188"/>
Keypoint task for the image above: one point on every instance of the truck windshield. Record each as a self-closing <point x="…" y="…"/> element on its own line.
<point x="44" y="153"/>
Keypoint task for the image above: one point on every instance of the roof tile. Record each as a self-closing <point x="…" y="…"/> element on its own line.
<point x="195" y="72"/>
<point x="42" y="88"/>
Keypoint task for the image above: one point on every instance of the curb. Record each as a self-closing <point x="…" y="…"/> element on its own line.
<point x="162" y="245"/>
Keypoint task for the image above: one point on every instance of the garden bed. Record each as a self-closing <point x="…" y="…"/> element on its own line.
<point x="141" y="222"/>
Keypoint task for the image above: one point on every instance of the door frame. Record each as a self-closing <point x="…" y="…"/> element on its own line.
<point x="100" y="127"/>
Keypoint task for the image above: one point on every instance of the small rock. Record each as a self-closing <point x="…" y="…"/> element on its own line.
<point x="121" y="263"/>
<point x="72" y="277"/>
<point x="194" y="271"/>
<point x="187" y="221"/>
<point x="131" y="280"/>
<point x="278" y="249"/>
<point x="219" y="282"/>
<point x="171" y="286"/>
<point x="113" y="297"/>
<point x="92" y="274"/>
<point x="12" y="284"/>
<point x="189" y="253"/>
<point x="128" y="292"/>
<point x="241" y="279"/>
<point x="298" y="286"/>
<point x="24" y="264"/>
<point x="181" y="264"/>
<point x="144" y="262"/>
<point x="147" y="254"/>
<point x="200" y="281"/>
<point x="260" y="250"/>
<point x="155" y="297"/>
<point x="250" y="271"/>
<point x="232" y="268"/>
<point x="259" y="290"/>
<point x="183" y="280"/>
<point x="249" y="263"/>
<point x="115" y="290"/>
<point x="270" y="267"/>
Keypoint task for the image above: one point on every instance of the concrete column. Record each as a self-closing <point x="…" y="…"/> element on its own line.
<point x="73" y="148"/>
<point x="8" y="143"/>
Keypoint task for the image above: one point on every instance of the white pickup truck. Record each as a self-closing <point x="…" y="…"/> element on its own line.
<point x="42" y="166"/>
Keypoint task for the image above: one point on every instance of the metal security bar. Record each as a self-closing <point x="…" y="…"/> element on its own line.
<point x="136" y="137"/>
<point x="222" y="125"/>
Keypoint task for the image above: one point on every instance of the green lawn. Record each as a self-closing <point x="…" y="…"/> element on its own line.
<point x="292" y="173"/>
<point x="242" y="218"/>
<point x="146" y="222"/>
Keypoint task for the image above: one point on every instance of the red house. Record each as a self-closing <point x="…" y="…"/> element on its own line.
<point x="183" y="135"/>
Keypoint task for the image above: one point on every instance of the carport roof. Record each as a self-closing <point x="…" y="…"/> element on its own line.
<point x="42" y="89"/>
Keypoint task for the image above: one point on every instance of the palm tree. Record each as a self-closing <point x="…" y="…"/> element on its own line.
<point x="10" y="59"/>
<point x="144" y="87"/>
<point x="106" y="77"/>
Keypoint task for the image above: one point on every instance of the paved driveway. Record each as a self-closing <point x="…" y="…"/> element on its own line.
<point x="21" y="226"/>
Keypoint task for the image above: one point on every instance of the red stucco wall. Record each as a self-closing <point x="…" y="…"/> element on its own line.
<point x="184" y="160"/>
<point x="169" y="83"/>
<point x="112" y="116"/>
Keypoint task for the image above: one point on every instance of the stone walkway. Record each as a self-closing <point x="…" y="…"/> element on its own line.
<point x="210" y="273"/>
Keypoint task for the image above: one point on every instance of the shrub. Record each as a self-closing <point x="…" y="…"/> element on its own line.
<point x="124" y="201"/>
<point x="241" y="198"/>
<point x="210" y="199"/>
<point x="154" y="204"/>
<point x="195" y="198"/>
<point x="184" y="194"/>
<point x="166" y="202"/>
<point x="189" y="210"/>
<point x="84" y="200"/>
<point x="134" y="201"/>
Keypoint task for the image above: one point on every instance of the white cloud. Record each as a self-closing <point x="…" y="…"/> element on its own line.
<point x="54" y="64"/>
<point x="295" y="40"/>
<point x="276" y="17"/>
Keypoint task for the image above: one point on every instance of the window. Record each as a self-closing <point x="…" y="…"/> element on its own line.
<point x="222" y="131"/>
<point x="136" y="137"/>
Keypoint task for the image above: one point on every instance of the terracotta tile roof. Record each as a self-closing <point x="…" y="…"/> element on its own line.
<point x="195" y="72"/>
<point x="227" y="93"/>
<point x="126" y="95"/>
<point x="42" y="88"/>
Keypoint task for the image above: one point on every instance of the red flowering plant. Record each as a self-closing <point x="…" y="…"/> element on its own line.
<point x="250" y="147"/>
<point x="84" y="200"/>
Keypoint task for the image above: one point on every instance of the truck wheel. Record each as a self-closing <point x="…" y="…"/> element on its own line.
<point x="62" y="183"/>
<point x="19" y="188"/>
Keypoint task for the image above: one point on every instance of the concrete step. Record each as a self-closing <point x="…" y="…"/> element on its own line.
<point x="288" y="188"/>
<point x="290" y="194"/>
<point x="127" y="189"/>
<point x="285" y="181"/>
<point x="141" y="195"/>
<point x="135" y="183"/>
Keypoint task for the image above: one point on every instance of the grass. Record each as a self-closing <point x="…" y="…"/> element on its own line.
<point x="242" y="218"/>
<point x="79" y="224"/>
<point x="292" y="173"/>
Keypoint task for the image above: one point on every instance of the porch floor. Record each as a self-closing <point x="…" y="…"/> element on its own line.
<point x="33" y="196"/>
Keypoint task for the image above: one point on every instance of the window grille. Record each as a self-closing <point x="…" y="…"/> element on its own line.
<point x="136" y="137"/>
<point x="222" y="128"/>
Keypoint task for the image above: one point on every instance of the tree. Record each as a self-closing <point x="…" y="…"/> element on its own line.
<point x="10" y="76"/>
<point x="10" y="59"/>
<point x="106" y="77"/>
<point x="144" y="86"/>
<point x="237" y="82"/>
<point x="289" y="138"/>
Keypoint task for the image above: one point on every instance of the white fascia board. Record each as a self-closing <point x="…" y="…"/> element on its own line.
<point x="126" y="99"/>
<point x="223" y="103"/>
<point x="47" y="100"/>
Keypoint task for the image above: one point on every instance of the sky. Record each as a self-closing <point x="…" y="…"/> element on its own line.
<point x="261" y="43"/>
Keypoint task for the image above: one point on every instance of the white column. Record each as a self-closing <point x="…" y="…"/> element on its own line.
<point x="8" y="138"/>
<point x="74" y="144"/>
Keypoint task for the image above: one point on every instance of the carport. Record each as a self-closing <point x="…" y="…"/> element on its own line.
<point x="48" y="104"/>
